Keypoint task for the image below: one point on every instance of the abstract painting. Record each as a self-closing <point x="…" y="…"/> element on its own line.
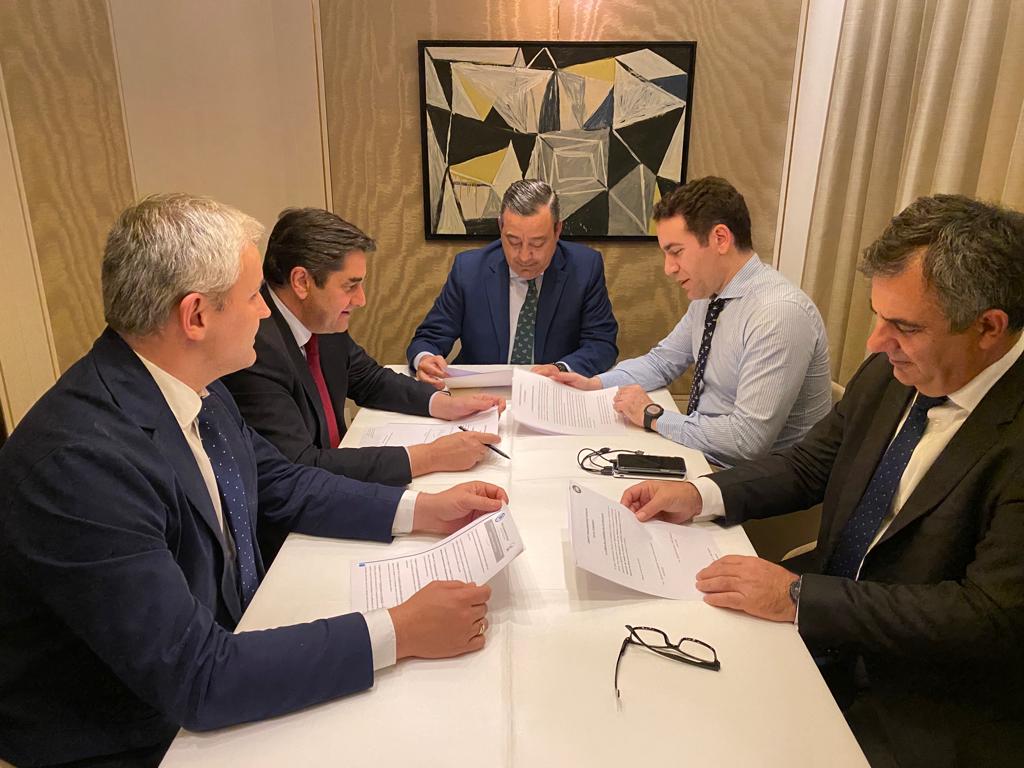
<point x="607" y="125"/>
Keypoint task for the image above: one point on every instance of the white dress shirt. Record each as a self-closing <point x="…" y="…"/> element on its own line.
<point x="943" y="422"/>
<point x="185" y="404"/>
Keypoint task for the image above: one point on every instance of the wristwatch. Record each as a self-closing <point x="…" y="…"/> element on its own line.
<point x="562" y="367"/>
<point x="651" y="412"/>
<point x="794" y="590"/>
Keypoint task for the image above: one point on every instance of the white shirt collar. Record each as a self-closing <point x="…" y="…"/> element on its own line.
<point x="183" y="401"/>
<point x="301" y="333"/>
<point x="972" y="393"/>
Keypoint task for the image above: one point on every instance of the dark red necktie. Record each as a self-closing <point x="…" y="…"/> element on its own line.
<point x="313" y="361"/>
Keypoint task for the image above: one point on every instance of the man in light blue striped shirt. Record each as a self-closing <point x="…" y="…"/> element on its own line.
<point x="761" y="374"/>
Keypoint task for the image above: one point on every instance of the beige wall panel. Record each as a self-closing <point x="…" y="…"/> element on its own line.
<point x="221" y="98"/>
<point x="28" y="362"/>
<point x="60" y="77"/>
<point x="745" y="58"/>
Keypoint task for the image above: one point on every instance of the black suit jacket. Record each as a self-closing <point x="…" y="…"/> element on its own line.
<point x="937" y="617"/>
<point x="277" y="397"/>
<point x="116" y="609"/>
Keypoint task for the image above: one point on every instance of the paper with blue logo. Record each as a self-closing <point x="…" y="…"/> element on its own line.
<point x="475" y="553"/>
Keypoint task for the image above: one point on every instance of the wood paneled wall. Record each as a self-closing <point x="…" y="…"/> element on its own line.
<point x="742" y="89"/>
<point x="61" y="81"/>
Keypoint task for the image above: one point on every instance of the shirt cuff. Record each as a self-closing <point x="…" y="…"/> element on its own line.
<point x="430" y="402"/>
<point x="712" y="504"/>
<point x="383" y="645"/>
<point x="404" y="514"/>
<point x="615" y="378"/>
<point x="416" y="360"/>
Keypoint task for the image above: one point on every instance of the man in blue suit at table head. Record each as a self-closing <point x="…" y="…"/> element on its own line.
<point x="527" y="298"/>
<point x="130" y="500"/>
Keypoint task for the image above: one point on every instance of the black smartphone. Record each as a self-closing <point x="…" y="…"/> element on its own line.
<point x="631" y="464"/>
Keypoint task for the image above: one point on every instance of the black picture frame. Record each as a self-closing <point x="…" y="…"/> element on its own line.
<point x="501" y="107"/>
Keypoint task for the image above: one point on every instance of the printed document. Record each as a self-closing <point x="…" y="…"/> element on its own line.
<point x="416" y="433"/>
<point x="475" y="553"/>
<point x="547" y="406"/>
<point x="460" y="378"/>
<point x="656" y="557"/>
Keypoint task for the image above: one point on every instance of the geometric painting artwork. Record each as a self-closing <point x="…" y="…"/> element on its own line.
<point x="606" y="124"/>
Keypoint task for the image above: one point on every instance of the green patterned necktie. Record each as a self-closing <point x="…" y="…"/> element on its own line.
<point x="522" y="349"/>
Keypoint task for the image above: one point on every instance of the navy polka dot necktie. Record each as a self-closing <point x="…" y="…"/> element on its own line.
<point x="232" y="493"/>
<point x="861" y="528"/>
<point x="710" y="321"/>
<point x="522" y="349"/>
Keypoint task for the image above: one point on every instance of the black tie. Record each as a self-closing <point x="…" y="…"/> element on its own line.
<point x="710" y="321"/>
<point x="861" y="528"/>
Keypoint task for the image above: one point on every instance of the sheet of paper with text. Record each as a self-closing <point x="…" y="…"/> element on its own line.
<point x="547" y="406"/>
<point x="656" y="557"/>
<point x="474" y="553"/>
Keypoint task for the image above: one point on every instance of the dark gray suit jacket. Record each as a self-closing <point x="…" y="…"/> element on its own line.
<point x="937" y="617"/>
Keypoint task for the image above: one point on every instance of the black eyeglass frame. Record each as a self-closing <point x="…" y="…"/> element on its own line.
<point x="668" y="650"/>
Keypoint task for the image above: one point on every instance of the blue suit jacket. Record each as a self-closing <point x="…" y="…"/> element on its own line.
<point x="117" y="612"/>
<point x="575" y="323"/>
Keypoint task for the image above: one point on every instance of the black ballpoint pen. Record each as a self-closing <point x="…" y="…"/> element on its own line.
<point x="496" y="450"/>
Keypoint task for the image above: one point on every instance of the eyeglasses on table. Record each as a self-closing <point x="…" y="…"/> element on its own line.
<point x="688" y="650"/>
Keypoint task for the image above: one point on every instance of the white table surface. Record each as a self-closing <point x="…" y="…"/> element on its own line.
<point x="541" y="692"/>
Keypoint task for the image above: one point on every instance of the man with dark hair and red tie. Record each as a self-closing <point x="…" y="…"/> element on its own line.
<point x="307" y="363"/>
<point x="756" y="342"/>
<point x="131" y="499"/>
<point x="913" y="600"/>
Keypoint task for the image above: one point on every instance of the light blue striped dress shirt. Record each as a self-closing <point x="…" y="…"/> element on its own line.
<point x="767" y="380"/>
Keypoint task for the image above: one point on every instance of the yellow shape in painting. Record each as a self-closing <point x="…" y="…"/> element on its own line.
<point x="482" y="169"/>
<point x="481" y="102"/>
<point x="652" y="225"/>
<point x="602" y="69"/>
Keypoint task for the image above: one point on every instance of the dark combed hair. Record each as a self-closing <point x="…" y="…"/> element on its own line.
<point x="312" y="238"/>
<point x="972" y="255"/>
<point x="705" y="203"/>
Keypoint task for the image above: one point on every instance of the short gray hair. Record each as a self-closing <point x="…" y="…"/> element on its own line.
<point x="972" y="256"/>
<point x="163" y="248"/>
<point x="528" y="196"/>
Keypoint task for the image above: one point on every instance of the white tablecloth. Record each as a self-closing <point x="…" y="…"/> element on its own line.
<point x="541" y="692"/>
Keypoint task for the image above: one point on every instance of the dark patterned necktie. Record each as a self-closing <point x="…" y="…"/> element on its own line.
<point x="522" y="349"/>
<point x="861" y="528"/>
<point x="212" y="421"/>
<point x="710" y="321"/>
<point x="313" y="361"/>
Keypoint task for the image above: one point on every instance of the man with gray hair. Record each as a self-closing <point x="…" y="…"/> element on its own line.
<point x="130" y="500"/>
<point x="913" y="601"/>
<point x="527" y="298"/>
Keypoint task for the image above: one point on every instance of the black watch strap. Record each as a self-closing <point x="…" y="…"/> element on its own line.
<point x="652" y="411"/>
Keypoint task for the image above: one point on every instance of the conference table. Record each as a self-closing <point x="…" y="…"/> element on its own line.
<point x="541" y="691"/>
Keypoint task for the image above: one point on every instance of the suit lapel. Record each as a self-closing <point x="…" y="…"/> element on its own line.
<point x="972" y="441"/>
<point x="550" y="293"/>
<point x="135" y="391"/>
<point x="299" y="366"/>
<point x="879" y="425"/>
<point x="497" y="297"/>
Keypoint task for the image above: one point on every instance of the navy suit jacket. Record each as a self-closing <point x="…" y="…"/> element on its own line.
<point x="575" y="323"/>
<point x="117" y="612"/>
